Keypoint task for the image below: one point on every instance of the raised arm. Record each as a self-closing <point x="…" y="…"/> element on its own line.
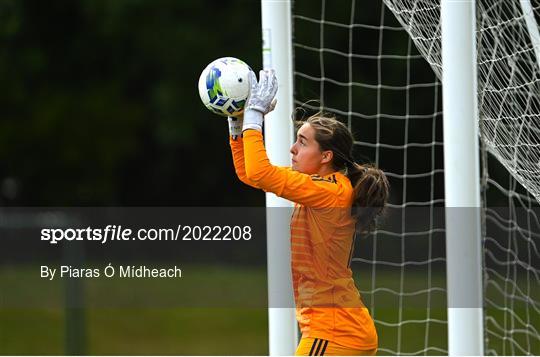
<point x="237" y="150"/>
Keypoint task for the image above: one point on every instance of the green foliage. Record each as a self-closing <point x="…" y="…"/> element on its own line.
<point x="100" y="104"/>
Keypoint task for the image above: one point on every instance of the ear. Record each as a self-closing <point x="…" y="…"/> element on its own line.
<point x="327" y="156"/>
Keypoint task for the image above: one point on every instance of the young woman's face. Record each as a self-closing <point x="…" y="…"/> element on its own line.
<point x="306" y="152"/>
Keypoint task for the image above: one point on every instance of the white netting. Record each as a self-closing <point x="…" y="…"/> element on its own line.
<point x="509" y="106"/>
<point x="508" y="75"/>
<point x="511" y="242"/>
<point x="366" y="63"/>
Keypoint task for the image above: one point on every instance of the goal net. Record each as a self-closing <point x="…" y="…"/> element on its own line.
<point x="377" y="66"/>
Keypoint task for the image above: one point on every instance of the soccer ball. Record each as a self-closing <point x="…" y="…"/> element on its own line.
<point x="224" y="86"/>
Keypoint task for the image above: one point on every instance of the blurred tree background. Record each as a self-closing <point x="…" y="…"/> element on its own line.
<point x="100" y="103"/>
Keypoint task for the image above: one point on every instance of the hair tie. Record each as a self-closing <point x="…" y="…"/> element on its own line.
<point x="350" y="161"/>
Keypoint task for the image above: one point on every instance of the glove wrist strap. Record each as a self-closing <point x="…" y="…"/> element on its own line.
<point x="235" y="127"/>
<point x="253" y="119"/>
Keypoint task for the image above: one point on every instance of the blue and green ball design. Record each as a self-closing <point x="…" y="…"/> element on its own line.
<point x="225" y="96"/>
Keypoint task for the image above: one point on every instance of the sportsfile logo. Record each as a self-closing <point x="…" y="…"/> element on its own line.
<point x="103" y="235"/>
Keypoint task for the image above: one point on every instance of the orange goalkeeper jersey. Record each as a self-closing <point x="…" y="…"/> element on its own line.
<point x="328" y="304"/>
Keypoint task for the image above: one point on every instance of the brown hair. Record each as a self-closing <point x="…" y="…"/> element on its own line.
<point x="371" y="188"/>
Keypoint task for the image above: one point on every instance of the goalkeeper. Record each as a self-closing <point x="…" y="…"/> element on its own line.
<point x="334" y="197"/>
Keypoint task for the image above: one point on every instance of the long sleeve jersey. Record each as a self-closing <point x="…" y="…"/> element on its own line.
<point x="328" y="304"/>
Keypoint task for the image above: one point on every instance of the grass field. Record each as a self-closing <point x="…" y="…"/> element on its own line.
<point x="177" y="331"/>
<point x="218" y="311"/>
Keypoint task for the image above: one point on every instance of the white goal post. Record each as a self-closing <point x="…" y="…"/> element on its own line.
<point x="277" y="54"/>
<point x="461" y="178"/>
<point x="532" y="27"/>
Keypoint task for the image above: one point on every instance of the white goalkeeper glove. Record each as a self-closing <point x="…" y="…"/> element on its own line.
<point x="261" y="99"/>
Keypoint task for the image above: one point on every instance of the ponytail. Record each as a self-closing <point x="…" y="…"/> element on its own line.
<point x="371" y="190"/>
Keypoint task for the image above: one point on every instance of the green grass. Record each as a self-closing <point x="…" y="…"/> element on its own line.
<point x="211" y="310"/>
<point x="179" y="331"/>
<point x="221" y="311"/>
